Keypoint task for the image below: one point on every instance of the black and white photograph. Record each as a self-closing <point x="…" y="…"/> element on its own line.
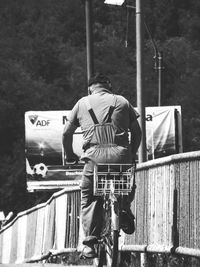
<point x="100" y="133"/>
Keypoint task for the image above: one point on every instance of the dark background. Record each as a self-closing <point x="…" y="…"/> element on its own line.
<point x="43" y="67"/>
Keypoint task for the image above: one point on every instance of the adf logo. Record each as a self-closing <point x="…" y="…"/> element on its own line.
<point x="35" y="121"/>
<point x="33" y="118"/>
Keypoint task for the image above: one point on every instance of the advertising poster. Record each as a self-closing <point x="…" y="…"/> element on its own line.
<point x="163" y="131"/>
<point x="43" y="139"/>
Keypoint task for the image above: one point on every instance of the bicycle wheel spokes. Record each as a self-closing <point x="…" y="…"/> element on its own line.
<point x="111" y="233"/>
<point x="100" y="261"/>
<point x="111" y="248"/>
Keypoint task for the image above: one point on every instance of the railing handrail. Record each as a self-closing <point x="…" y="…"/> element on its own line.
<point x="39" y="206"/>
<point x="167" y="195"/>
<point x="169" y="159"/>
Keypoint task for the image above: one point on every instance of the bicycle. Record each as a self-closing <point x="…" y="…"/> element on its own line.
<point x="112" y="182"/>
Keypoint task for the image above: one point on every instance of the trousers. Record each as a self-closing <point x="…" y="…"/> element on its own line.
<point x="92" y="206"/>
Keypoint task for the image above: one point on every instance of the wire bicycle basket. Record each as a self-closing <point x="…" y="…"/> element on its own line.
<point x="115" y="178"/>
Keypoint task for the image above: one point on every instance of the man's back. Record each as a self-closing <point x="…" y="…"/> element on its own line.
<point x="105" y="120"/>
<point x="100" y="102"/>
<point x="104" y="104"/>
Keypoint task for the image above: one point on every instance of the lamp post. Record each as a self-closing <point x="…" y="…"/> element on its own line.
<point x="139" y="56"/>
<point x="140" y="77"/>
<point x="89" y="38"/>
<point x="158" y="66"/>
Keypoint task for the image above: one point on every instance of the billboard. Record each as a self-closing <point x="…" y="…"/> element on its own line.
<point x="163" y="131"/>
<point x="43" y="139"/>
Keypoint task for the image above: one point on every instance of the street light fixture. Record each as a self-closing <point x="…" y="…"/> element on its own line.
<point x="114" y="2"/>
<point x="158" y="65"/>
<point x="158" y="57"/>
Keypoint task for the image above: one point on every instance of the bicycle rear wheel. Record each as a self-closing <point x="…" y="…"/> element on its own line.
<point x="100" y="261"/>
<point x="107" y="252"/>
<point x="111" y="248"/>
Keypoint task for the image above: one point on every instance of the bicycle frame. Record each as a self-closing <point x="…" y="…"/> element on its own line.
<point x="112" y="182"/>
<point x="115" y="213"/>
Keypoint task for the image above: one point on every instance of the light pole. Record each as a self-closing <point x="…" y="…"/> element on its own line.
<point x="142" y="156"/>
<point x="159" y="69"/>
<point x="158" y="66"/>
<point x="140" y="77"/>
<point x="89" y="38"/>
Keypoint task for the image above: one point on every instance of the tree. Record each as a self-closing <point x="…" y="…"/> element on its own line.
<point x="43" y="65"/>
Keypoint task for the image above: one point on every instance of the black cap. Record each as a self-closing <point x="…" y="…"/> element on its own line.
<point x="98" y="78"/>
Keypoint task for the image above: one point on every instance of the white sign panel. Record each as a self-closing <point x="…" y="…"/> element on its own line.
<point x="163" y="131"/>
<point x="43" y="136"/>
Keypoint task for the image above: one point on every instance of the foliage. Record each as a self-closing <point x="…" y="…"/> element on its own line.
<point x="43" y="66"/>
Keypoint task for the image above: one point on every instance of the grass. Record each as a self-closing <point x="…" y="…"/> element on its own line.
<point x="133" y="260"/>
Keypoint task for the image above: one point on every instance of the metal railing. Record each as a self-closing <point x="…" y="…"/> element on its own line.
<point x="33" y="233"/>
<point x="166" y="207"/>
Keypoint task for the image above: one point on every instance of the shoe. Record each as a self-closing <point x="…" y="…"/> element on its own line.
<point x="127" y="222"/>
<point x="90" y="240"/>
<point x="89" y="252"/>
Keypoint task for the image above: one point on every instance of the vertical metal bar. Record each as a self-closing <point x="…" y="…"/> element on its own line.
<point x="160" y="67"/>
<point x="89" y="38"/>
<point x="139" y="57"/>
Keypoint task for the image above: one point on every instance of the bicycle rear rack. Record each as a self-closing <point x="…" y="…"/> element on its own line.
<point x="115" y="178"/>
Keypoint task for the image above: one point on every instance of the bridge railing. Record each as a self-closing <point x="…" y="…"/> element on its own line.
<point x="166" y="207"/>
<point x="33" y="233"/>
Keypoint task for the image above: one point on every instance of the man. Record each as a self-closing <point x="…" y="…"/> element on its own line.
<point x="105" y="119"/>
